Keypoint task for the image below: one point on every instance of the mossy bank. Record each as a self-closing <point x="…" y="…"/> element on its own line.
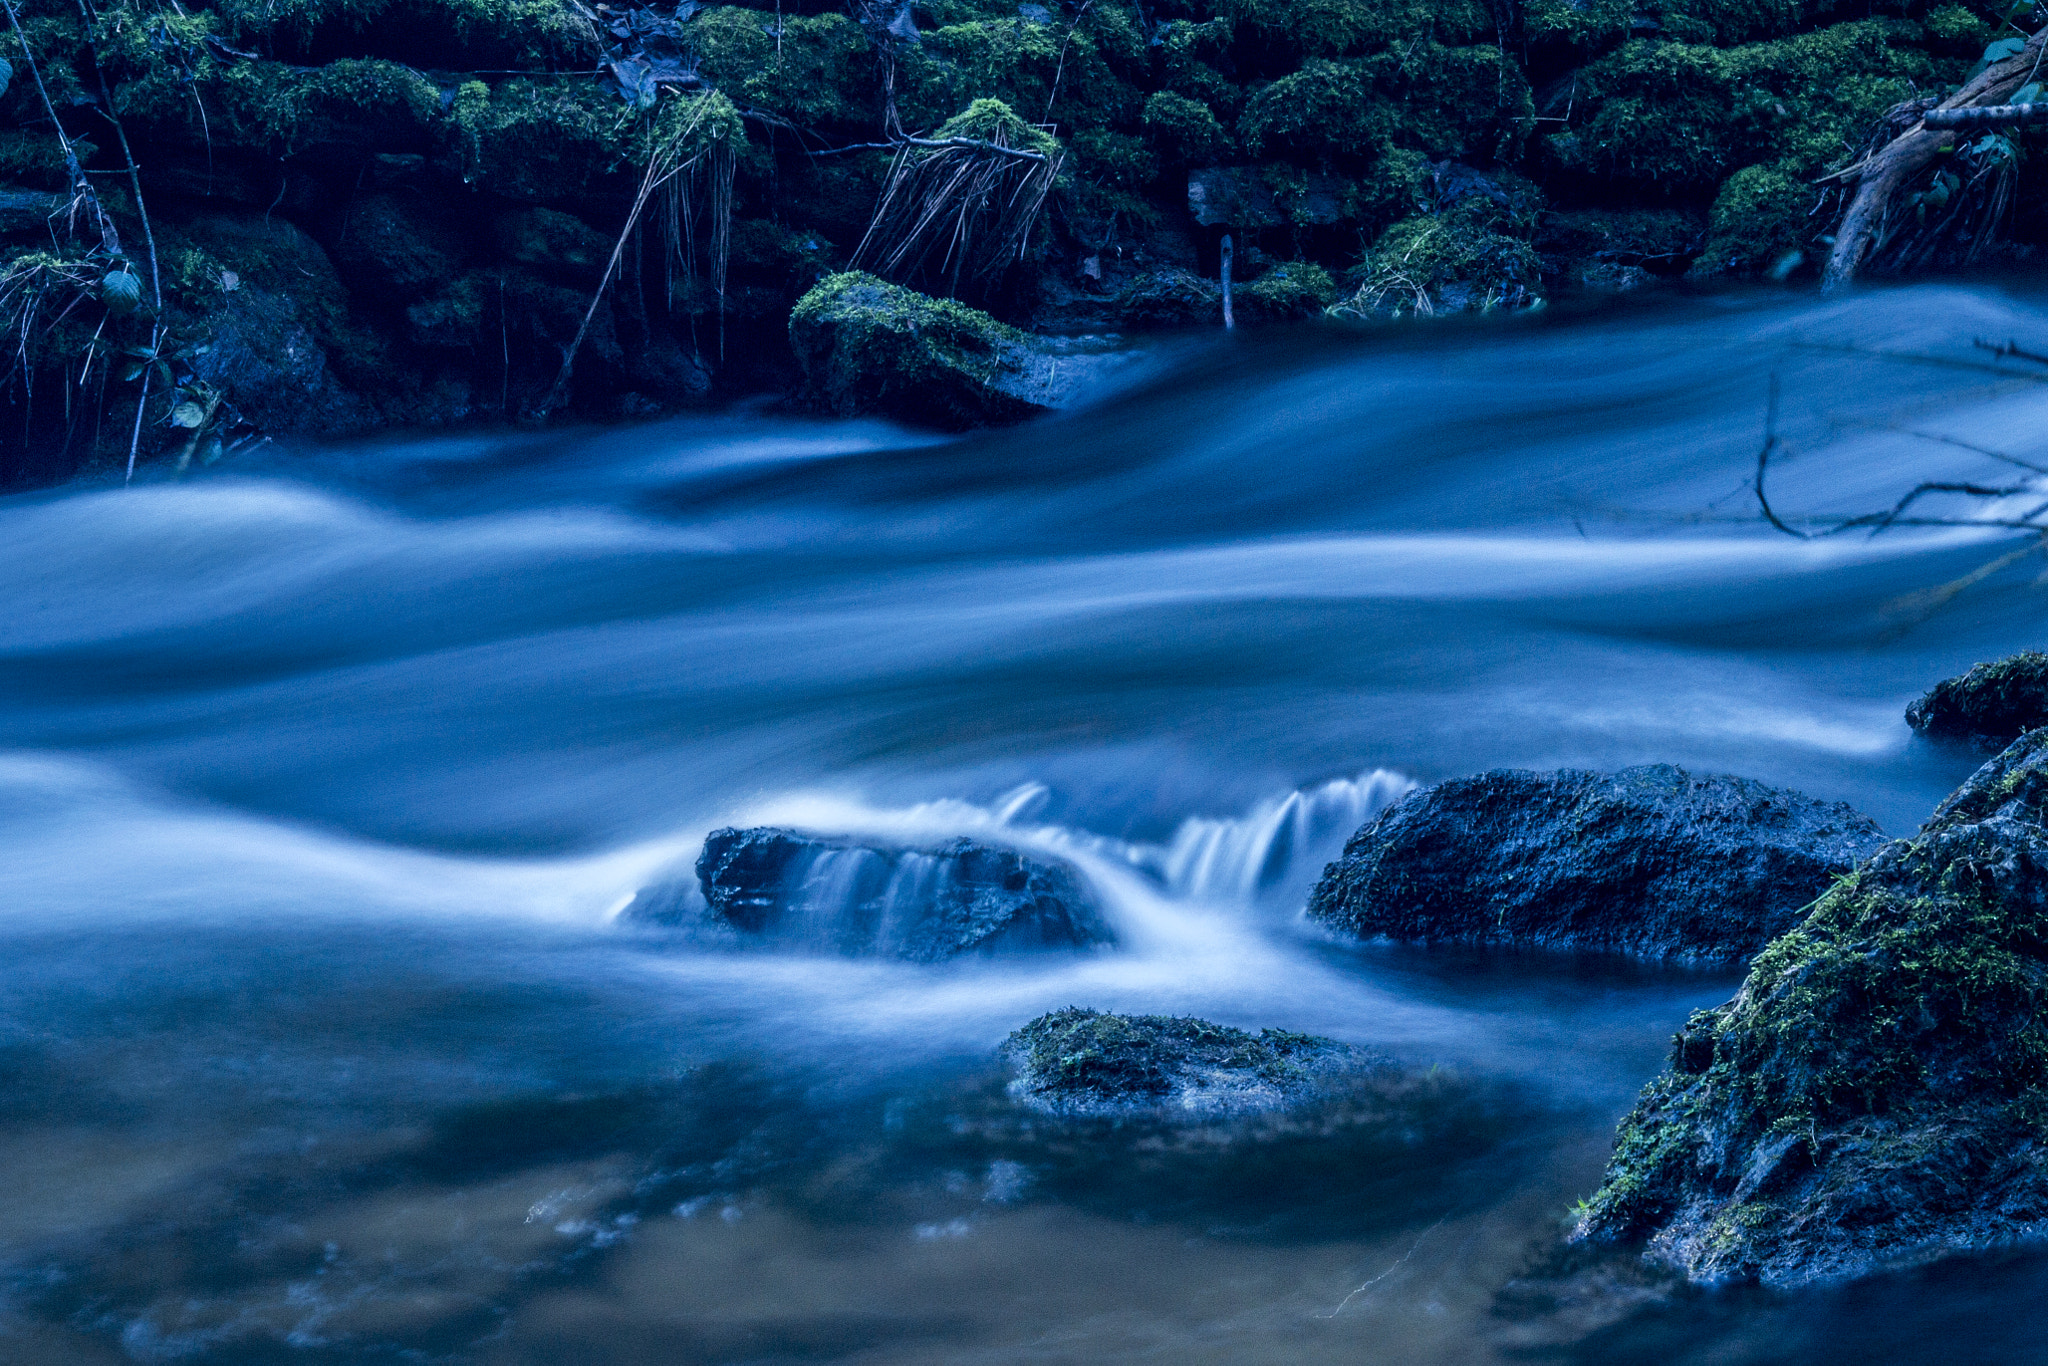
<point x="346" y="214"/>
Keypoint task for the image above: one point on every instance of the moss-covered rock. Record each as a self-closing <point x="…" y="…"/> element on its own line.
<point x="1456" y="261"/>
<point x="1619" y="249"/>
<point x="1994" y="703"/>
<point x="1080" y="1061"/>
<point x="867" y="346"/>
<point x="1877" y="1092"/>
<point x="1289" y="291"/>
<point x="1762" y="222"/>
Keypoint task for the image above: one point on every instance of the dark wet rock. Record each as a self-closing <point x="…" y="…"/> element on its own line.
<point x="1876" y="1095"/>
<point x="1990" y="705"/>
<point x="860" y="898"/>
<point x="867" y="346"/>
<point x="1080" y="1061"/>
<point x="390" y="245"/>
<point x="1652" y="861"/>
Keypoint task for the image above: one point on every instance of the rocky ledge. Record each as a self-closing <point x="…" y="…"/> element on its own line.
<point x="1652" y="861"/>
<point x="1991" y="705"/>
<point x="1080" y="1061"/>
<point x="859" y="898"/>
<point x="1877" y="1092"/>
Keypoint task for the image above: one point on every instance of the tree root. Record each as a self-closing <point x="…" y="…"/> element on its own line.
<point x="1881" y="177"/>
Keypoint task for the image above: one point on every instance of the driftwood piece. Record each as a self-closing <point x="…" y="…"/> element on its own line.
<point x="1880" y="177"/>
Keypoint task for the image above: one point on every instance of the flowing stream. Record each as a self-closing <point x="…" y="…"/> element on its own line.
<point x="324" y="775"/>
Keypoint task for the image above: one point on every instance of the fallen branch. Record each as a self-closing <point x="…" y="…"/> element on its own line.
<point x="1987" y="116"/>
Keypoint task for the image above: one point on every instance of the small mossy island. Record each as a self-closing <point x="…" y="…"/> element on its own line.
<point x="1876" y="1093"/>
<point x="222" y="220"/>
<point x="1082" y="1061"/>
<point x="1991" y="705"/>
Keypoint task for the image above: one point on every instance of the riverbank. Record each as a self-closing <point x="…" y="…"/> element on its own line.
<point x="344" y="216"/>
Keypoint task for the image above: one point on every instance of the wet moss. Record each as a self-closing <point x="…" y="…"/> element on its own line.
<point x="1289" y="291"/>
<point x="816" y="71"/>
<point x="1579" y="28"/>
<point x="1184" y="130"/>
<point x="540" y="141"/>
<point x="1287" y="31"/>
<point x="1462" y="103"/>
<point x="1455" y="261"/>
<point x="1044" y="72"/>
<point x="1678" y="115"/>
<point x="1194" y="61"/>
<point x="1998" y="701"/>
<point x="1762" y="223"/>
<point x="866" y="346"/>
<point x="1089" y="1056"/>
<point x="1908" y="1016"/>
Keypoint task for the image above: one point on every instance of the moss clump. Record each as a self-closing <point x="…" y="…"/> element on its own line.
<point x="1761" y="223"/>
<point x="867" y="346"/>
<point x="1455" y="261"/>
<point x="1285" y="31"/>
<point x="817" y="71"/>
<point x="1183" y="130"/>
<point x="1995" y="701"/>
<point x="542" y="142"/>
<point x="1289" y="291"/>
<point x="1462" y="103"/>
<point x="1678" y="115"/>
<point x="1087" y="1059"/>
<point x="1894" y="1046"/>
<point x="1577" y="27"/>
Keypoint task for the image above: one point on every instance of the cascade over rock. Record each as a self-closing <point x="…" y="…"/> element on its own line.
<point x="1652" y="860"/>
<point x="858" y="898"/>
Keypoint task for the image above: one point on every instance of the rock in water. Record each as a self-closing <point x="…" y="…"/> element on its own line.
<point x="1079" y="1061"/>
<point x="848" y="897"/>
<point x="1992" y="704"/>
<point x="867" y="346"/>
<point x="1877" y="1092"/>
<point x="1651" y="861"/>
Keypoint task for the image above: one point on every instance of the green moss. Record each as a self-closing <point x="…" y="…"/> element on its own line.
<point x="1088" y="1055"/>
<point x="1017" y="62"/>
<point x="1461" y="103"/>
<point x="1291" y="290"/>
<point x="1958" y="31"/>
<point x="814" y="70"/>
<point x="542" y="141"/>
<point x="1184" y="130"/>
<point x="1687" y="116"/>
<point x="1455" y="261"/>
<point x="866" y="345"/>
<point x="1290" y="30"/>
<point x="1760" y="221"/>
<point x="1916" y="989"/>
<point x="1192" y="57"/>
<point x="1580" y="26"/>
<point x="31" y="157"/>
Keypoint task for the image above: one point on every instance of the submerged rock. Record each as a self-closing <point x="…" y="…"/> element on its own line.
<point x="1992" y="704"/>
<point x="1089" y="1062"/>
<point x="846" y="896"/>
<point x="1877" y="1092"/>
<point x="867" y="346"/>
<point x="1651" y="861"/>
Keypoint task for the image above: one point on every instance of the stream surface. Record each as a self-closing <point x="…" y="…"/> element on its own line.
<point x="324" y="774"/>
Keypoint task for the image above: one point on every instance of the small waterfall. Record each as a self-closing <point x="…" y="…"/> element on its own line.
<point x="1278" y="843"/>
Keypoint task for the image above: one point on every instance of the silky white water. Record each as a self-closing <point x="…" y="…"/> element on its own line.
<point x="324" y="777"/>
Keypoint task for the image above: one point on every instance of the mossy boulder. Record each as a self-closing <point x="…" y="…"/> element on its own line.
<point x="1877" y="1092"/>
<point x="1762" y="223"/>
<point x="867" y="346"/>
<point x="1081" y="1061"/>
<point x="1651" y="861"/>
<point x="1619" y="249"/>
<point x="1993" y="704"/>
<point x="1455" y="261"/>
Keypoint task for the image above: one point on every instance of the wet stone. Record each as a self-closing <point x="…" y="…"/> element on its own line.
<point x="866" y="899"/>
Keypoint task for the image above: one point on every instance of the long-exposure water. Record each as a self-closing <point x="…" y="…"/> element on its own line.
<point x="324" y="774"/>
